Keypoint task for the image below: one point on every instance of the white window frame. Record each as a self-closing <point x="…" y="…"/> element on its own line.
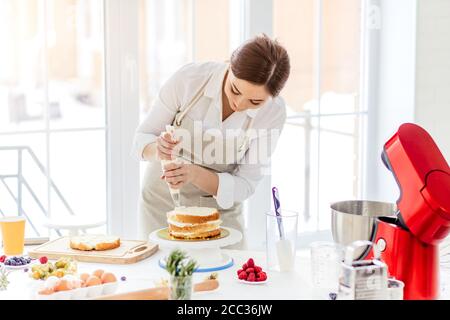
<point x="108" y="127"/>
<point x="122" y="101"/>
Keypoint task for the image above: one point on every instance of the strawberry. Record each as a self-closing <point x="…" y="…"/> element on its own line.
<point x="43" y="260"/>
<point x="2" y="258"/>
<point x="251" y="277"/>
<point x="244" y="266"/>
<point x="257" y="269"/>
<point x="243" y="275"/>
<point x="262" y="276"/>
<point x="250" y="263"/>
<point x="239" y="271"/>
<point x="250" y="270"/>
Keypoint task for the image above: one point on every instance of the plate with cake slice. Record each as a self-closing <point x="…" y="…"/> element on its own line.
<point x="195" y="228"/>
<point x="193" y="224"/>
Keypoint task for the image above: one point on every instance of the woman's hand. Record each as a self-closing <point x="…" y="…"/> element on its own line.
<point x="179" y="174"/>
<point x="165" y="146"/>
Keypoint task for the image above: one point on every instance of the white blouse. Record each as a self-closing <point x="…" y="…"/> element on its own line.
<point x="176" y="93"/>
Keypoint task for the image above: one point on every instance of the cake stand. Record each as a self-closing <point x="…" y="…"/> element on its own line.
<point x="207" y="253"/>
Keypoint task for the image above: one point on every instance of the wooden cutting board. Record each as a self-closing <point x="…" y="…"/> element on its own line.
<point x="130" y="251"/>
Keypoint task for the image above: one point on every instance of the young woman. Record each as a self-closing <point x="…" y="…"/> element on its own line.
<point x="240" y="95"/>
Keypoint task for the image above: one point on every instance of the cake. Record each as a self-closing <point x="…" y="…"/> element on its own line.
<point x="194" y="222"/>
<point x="89" y="242"/>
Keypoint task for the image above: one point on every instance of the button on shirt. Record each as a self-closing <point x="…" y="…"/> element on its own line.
<point x="178" y="91"/>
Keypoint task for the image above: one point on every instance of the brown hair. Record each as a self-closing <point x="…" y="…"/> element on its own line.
<point x="262" y="60"/>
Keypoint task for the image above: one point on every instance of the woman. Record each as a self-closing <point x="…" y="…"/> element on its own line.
<point x="239" y="96"/>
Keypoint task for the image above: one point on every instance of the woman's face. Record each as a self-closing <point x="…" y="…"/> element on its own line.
<point x="243" y="95"/>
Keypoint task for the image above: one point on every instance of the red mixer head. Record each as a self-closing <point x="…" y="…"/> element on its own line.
<point x="423" y="177"/>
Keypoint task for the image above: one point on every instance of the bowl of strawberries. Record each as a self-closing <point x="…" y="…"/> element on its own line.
<point x="250" y="273"/>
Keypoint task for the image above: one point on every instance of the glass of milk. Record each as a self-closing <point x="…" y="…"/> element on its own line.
<point x="281" y="238"/>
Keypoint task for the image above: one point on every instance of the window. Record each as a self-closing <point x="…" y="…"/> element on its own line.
<point x="321" y="148"/>
<point x="52" y="110"/>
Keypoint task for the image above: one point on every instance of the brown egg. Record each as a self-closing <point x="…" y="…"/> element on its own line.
<point x="84" y="277"/>
<point x="108" y="277"/>
<point x="93" y="281"/>
<point x="98" y="273"/>
<point x="77" y="283"/>
<point x="47" y="291"/>
<point x="64" y="285"/>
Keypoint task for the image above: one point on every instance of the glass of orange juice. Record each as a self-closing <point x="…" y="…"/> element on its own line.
<point x="13" y="235"/>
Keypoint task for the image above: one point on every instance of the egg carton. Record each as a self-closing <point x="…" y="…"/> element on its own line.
<point x="80" y="293"/>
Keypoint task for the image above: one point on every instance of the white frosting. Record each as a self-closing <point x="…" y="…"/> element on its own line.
<point x="192" y="211"/>
<point x="183" y="224"/>
<point x="181" y="234"/>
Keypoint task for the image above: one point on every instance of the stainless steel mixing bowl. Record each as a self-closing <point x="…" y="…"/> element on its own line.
<point x="357" y="220"/>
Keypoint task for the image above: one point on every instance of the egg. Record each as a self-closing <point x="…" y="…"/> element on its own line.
<point x="64" y="285"/>
<point x="52" y="282"/>
<point x="84" y="277"/>
<point x="77" y="283"/>
<point x="98" y="273"/>
<point x="108" y="277"/>
<point x="93" y="281"/>
<point x="70" y="277"/>
<point x="47" y="291"/>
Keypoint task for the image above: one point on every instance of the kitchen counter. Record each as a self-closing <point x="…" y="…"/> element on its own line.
<point x="142" y="275"/>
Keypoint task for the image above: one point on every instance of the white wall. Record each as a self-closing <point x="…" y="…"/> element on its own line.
<point x="433" y="71"/>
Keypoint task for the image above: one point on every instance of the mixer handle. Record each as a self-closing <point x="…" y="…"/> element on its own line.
<point x="350" y="250"/>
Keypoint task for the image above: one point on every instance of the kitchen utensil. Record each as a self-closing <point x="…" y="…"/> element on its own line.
<point x="281" y="252"/>
<point x="423" y="219"/>
<point x="326" y="257"/>
<point x="363" y="279"/>
<point x="409" y="241"/>
<point x="283" y="246"/>
<point x="277" y="204"/>
<point x="130" y="251"/>
<point x="207" y="253"/>
<point x="174" y="193"/>
<point x="395" y="289"/>
<point x="357" y="220"/>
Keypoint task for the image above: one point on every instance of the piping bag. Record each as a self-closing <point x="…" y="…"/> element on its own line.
<point x="283" y="246"/>
<point x="174" y="193"/>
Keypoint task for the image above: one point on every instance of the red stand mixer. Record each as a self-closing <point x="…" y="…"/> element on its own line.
<point x="407" y="234"/>
<point x="409" y="241"/>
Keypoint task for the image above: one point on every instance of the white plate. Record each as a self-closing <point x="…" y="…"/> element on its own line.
<point x="252" y="282"/>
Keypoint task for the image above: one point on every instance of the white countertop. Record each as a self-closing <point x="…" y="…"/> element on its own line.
<point x="294" y="285"/>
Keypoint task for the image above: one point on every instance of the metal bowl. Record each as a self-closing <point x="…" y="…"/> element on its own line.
<point x="357" y="220"/>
